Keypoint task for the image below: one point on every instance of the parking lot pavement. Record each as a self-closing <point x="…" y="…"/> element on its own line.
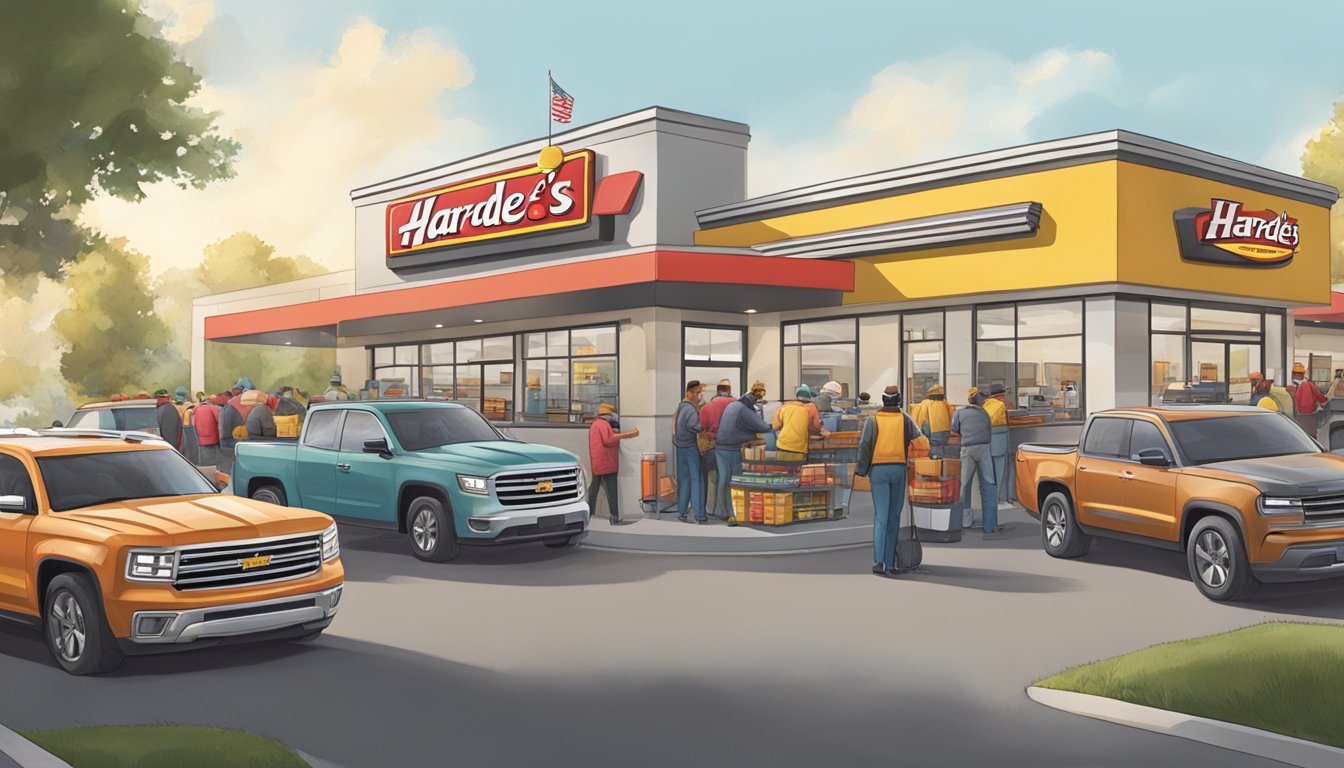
<point x="575" y="657"/>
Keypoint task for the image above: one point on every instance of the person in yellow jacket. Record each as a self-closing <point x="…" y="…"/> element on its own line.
<point x="796" y="421"/>
<point x="933" y="416"/>
<point x="1263" y="399"/>
<point x="883" y="451"/>
<point x="998" y="440"/>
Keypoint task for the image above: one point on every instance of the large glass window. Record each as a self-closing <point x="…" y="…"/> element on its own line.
<point x="396" y="369"/>
<point x="1204" y="354"/>
<point x="820" y="351"/>
<point x="922" y="340"/>
<point x="569" y="373"/>
<point x="711" y="354"/>
<point x="477" y="373"/>
<point x="1035" y="352"/>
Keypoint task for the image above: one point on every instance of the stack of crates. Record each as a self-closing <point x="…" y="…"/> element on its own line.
<point x="778" y="508"/>
<point x="935" y="481"/>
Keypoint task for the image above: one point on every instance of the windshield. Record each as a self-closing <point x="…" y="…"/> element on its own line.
<point x="1230" y="438"/>
<point x="87" y="479"/>
<point x="430" y="428"/>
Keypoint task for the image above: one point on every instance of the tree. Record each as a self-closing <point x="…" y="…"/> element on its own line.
<point x="1323" y="161"/>
<point x="114" y="335"/>
<point x="93" y="100"/>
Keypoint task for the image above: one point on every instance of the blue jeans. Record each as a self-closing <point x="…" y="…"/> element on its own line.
<point x="937" y="442"/>
<point x="888" y="482"/>
<point x="690" y="483"/>
<point x="728" y="463"/>
<point x="976" y="460"/>
<point x="999" y="449"/>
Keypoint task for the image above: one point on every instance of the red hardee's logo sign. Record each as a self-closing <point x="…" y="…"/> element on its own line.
<point x="515" y="202"/>
<point x="1227" y="233"/>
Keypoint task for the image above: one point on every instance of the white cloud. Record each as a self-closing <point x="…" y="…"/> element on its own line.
<point x="310" y="133"/>
<point x="184" y="20"/>
<point x="942" y="106"/>
<point x="1286" y="155"/>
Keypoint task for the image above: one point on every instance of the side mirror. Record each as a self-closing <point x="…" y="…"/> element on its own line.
<point x="378" y="446"/>
<point x="1154" y="457"/>
<point x="221" y="481"/>
<point x="13" y="504"/>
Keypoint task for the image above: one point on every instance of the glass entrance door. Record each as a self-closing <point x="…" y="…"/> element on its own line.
<point x="1221" y="371"/>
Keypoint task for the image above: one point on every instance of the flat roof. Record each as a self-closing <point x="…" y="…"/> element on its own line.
<point x="1027" y="158"/>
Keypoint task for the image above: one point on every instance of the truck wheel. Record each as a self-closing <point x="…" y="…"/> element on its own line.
<point x="568" y="541"/>
<point x="76" y="629"/>
<point x="1218" y="563"/>
<point x="271" y="494"/>
<point x="431" y="529"/>
<point x="1059" y="528"/>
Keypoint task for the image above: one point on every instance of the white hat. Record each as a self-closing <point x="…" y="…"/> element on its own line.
<point x="831" y="388"/>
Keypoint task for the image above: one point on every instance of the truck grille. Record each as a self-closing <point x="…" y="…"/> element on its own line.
<point x="1323" y="509"/>
<point x="538" y="488"/>
<point x="222" y="565"/>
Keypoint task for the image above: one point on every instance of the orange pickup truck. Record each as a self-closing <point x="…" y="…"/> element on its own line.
<point x="1244" y="492"/>
<point x="114" y="544"/>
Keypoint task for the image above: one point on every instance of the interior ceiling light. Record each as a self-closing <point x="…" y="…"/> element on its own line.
<point x="478" y="320"/>
<point x="751" y="311"/>
<point x="438" y="325"/>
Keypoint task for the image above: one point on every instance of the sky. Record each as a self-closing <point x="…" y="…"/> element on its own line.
<point x="327" y="96"/>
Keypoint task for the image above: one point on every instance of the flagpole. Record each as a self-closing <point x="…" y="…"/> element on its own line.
<point x="548" y="107"/>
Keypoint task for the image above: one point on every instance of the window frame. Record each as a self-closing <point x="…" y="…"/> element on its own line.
<point x="340" y="427"/>
<point x="741" y="365"/>
<point x="1017" y="340"/>
<point x="29" y="498"/>
<point x="1192" y="336"/>
<point x="787" y="393"/>
<point x="340" y="443"/>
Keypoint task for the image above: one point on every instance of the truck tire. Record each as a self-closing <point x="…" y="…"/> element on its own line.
<point x="568" y="541"/>
<point x="1060" y="533"/>
<point x="271" y="493"/>
<point x="431" y="530"/>
<point x="1218" y="563"/>
<point x="76" y="627"/>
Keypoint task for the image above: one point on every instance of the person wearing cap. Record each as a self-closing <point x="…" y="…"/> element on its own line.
<point x="740" y="425"/>
<point x="604" y="453"/>
<point x="796" y="421"/>
<point x="825" y="400"/>
<point x="1263" y="399"/>
<point x="336" y="390"/>
<point x="758" y="394"/>
<point x="1307" y="401"/>
<point x="971" y="429"/>
<point x="711" y="414"/>
<point x="998" y="439"/>
<point x="685" y="430"/>
<point x="1256" y="377"/>
<point x="934" y="417"/>
<point x="883" y="450"/>
<point x="205" y="420"/>
<point x="168" y="419"/>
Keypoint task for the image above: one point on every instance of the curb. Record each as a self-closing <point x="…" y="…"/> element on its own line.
<point x="315" y="762"/>
<point x="1238" y="738"/>
<point x="26" y="753"/>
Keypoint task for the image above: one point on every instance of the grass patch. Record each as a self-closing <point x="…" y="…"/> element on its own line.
<point x="165" y="746"/>
<point x="1282" y="677"/>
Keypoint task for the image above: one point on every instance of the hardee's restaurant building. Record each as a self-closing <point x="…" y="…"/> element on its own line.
<point x="1081" y="274"/>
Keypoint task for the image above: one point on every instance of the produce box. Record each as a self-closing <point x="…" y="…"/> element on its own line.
<point x="813" y="474"/>
<point x="862" y="484"/>
<point x="938" y="468"/>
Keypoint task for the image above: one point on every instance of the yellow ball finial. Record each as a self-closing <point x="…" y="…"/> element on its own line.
<point x="551" y="157"/>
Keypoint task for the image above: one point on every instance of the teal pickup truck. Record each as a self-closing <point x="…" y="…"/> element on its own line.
<point x="434" y="470"/>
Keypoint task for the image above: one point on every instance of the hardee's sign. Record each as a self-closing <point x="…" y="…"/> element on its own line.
<point x="1227" y="233"/>
<point x="515" y="202"/>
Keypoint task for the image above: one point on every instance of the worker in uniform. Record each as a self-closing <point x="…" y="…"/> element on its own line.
<point x="796" y="421"/>
<point x="934" y="418"/>
<point x="998" y="441"/>
<point x="883" y="451"/>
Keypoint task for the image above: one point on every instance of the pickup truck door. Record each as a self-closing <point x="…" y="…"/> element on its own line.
<point x="1150" y="492"/>
<point x="1099" y="486"/>
<point x="364" y="481"/>
<point x="315" y="461"/>
<point x="15" y="481"/>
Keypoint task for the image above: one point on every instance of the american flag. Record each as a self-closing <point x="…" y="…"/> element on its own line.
<point x="562" y="104"/>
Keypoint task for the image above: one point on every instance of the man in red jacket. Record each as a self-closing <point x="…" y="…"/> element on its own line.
<point x="711" y="414"/>
<point x="604" y="451"/>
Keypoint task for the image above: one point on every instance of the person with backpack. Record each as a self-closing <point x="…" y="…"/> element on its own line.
<point x="883" y="450"/>
<point x="1307" y="401"/>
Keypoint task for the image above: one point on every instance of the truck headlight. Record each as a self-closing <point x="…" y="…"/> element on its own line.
<point x="583" y="482"/>
<point x="471" y="484"/>
<point x="1271" y="506"/>
<point x="331" y="544"/>
<point x="150" y="565"/>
